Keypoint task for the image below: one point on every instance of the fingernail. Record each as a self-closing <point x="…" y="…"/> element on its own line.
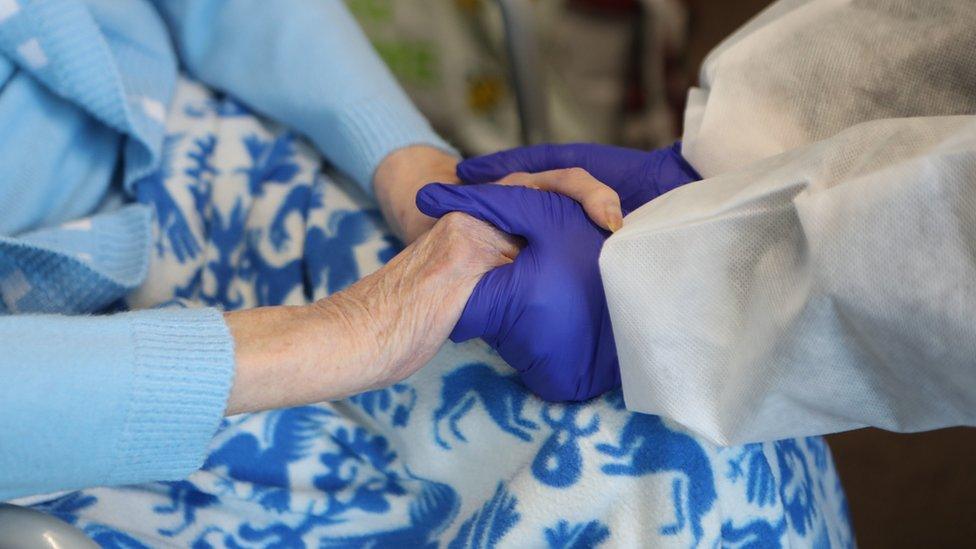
<point x="615" y="218"/>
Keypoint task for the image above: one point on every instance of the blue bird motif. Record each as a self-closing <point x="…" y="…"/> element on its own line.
<point x="559" y="462"/>
<point x="332" y="256"/>
<point x="650" y="447"/>
<point x="272" y="162"/>
<point x="173" y="227"/>
<point x="796" y="485"/>
<point x="185" y="499"/>
<point x="758" y="534"/>
<point x="577" y="536"/>
<point x="487" y="526"/>
<point x="271" y="283"/>
<point x="264" y="464"/>
<point x="502" y="396"/>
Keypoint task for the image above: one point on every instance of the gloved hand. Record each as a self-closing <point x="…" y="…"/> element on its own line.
<point x="635" y="176"/>
<point x="545" y="313"/>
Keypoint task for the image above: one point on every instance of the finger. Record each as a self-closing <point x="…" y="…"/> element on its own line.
<point x="594" y="158"/>
<point x="601" y="203"/>
<point x="510" y="208"/>
<point x="492" y="167"/>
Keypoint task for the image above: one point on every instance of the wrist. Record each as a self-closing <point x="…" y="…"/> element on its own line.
<point x="398" y="178"/>
<point x="271" y="348"/>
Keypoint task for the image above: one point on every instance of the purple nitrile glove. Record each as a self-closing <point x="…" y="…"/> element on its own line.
<point x="637" y="176"/>
<point x="545" y="313"/>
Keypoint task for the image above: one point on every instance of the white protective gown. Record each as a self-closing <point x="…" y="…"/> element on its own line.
<point x="822" y="276"/>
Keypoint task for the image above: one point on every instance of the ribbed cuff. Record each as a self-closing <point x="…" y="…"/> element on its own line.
<point x="371" y="129"/>
<point x="184" y="366"/>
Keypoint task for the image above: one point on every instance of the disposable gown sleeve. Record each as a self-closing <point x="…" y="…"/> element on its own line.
<point x="821" y="277"/>
<point x="823" y="289"/>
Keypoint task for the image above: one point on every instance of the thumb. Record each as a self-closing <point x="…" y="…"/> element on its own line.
<point x="514" y="210"/>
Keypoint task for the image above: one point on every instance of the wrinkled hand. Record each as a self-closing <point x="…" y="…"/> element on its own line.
<point x="411" y="304"/>
<point x="374" y="333"/>
<point x="608" y="181"/>
<point x="545" y="313"/>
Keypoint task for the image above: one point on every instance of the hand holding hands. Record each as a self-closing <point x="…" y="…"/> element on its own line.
<point x="608" y="181"/>
<point x="546" y="313"/>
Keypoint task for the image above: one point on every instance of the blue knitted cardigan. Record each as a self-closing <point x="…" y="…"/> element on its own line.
<point x="137" y="396"/>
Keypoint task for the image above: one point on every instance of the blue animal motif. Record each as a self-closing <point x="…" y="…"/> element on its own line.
<point x="487" y="526"/>
<point x="760" y="483"/>
<point x="271" y="283"/>
<point x="264" y="464"/>
<point x="577" y="536"/>
<point x="501" y="395"/>
<point x="185" y="499"/>
<point x="650" y="447"/>
<point x="332" y="256"/>
<point x="397" y="401"/>
<point x="272" y="162"/>
<point x="796" y="485"/>
<point x="173" y="227"/>
<point x="559" y="462"/>
<point x="301" y="198"/>
<point x="758" y="534"/>
<point x="432" y="511"/>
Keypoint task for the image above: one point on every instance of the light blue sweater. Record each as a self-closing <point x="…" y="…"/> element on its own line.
<point x="85" y="86"/>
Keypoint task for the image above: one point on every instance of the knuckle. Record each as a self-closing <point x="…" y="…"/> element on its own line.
<point x="604" y="193"/>
<point x="454" y="221"/>
<point x="576" y="173"/>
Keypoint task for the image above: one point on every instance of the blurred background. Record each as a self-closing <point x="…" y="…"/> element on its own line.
<point x="493" y="74"/>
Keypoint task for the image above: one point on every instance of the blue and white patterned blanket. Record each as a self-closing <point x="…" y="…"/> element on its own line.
<point x="459" y="455"/>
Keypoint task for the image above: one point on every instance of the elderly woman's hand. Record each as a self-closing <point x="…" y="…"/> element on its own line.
<point x="374" y="333"/>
